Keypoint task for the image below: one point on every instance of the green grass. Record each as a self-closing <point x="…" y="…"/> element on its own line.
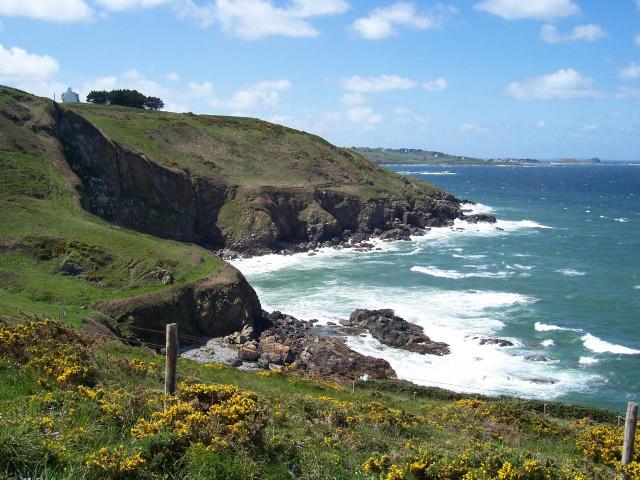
<point x="241" y="151"/>
<point x="304" y="428"/>
<point x="42" y="227"/>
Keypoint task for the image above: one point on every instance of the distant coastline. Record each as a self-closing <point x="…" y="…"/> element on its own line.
<point x="411" y="156"/>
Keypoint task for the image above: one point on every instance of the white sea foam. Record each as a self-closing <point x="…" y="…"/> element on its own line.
<point x="588" y="361"/>
<point x="413" y="172"/>
<point x="468" y="257"/>
<point x="569" y="272"/>
<point x="454" y="274"/>
<point x="545" y="327"/>
<point x="476" y="208"/>
<point x="547" y="343"/>
<point x="622" y="220"/>
<point x="598" y="345"/>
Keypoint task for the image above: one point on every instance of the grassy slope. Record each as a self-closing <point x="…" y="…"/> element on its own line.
<point x="316" y="430"/>
<point x="41" y="225"/>
<point x="243" y="151"/>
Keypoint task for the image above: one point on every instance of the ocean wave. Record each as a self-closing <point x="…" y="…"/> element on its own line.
<point x="546" y="327"/>
<point x="588" y="361"/>
<point x="569" y="272"/>
<point x="598" y="345"/>
<point x="476" y="208"/>
<point x="547" y="343"/>
<point x="622" y="220"/>
<point x="408" y="172"/>
<point x="468" y="257"/>
<point x="454" y="274"/>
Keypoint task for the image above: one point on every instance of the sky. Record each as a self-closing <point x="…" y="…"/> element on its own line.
<point x="489" y="78"/>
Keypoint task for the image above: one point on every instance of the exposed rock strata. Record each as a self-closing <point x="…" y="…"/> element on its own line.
<point x="388" y="328"/>
<point x="130" y="189"/>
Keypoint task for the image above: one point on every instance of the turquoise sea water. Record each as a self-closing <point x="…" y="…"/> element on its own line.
<point x="560" y="277"/>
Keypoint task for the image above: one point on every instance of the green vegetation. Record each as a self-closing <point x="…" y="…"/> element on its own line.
<point x="125" y="98"/>
<point x="240" y="151"/>
<point x="74" y="406"/>
<point x="54" y="257"/>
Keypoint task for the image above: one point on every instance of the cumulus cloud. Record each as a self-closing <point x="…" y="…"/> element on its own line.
<point x="532" y="9"/>
<point x="254" y="19"/>
<point x="380" y="83"/>
<point x="364" y="116"/>
<point x="436" y="85"/>
<point x="581" y="33"/>
<point x="632" y="72"/>
<point x="563" y="84"/>
<point x="172" y="76"/>
<point x="384" y="22"/>
<point x="351" y="99"/>
<point x="18" y="65"/>
<point x="262" y="94"/>
<point x="52" y="10"/>
<point x="119" y="5"/>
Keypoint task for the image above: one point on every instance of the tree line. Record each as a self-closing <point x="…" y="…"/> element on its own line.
<point x="125" y="98"/>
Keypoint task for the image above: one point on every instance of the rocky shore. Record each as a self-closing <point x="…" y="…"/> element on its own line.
<point x="319" y="351"/>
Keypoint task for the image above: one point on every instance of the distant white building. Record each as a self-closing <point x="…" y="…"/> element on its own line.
<point x="70" y="96"/>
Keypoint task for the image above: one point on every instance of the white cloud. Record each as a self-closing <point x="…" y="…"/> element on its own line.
<point x="632" y="72"/>
<point x="19" y="65"/>
<point x="253" y="19"/>
<point x="534" y="9"/>
<point x="541" y="124"/>
<point x="436" y="85"/>
<point x="383" y="22"/>
<point x="637" y="39"/>
<point x="590" y="127"/>
<point x="563" y="84"/>
<point x="172" y="76"/>
<point x="381" y="83"/>
<point x="628" y="93"/>
<point x="54" y="10"/>
<point x="119" y="5"/>
<point x="350" y="99"/>
<point x="581" y="33"/>
<point x="402" y="111"/>
<point x="261" y="94"/>
<point x="200" y="90"/>
<point x="472" y="128"/>
<point x="364" y="116"/>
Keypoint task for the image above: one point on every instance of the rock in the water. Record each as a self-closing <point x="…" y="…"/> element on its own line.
<point x="394" y="331"/>
<point x="479" y="218"/>
<point x="501" y="342"/>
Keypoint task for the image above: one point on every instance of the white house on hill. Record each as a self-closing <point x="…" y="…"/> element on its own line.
<point x="70" y="96"/>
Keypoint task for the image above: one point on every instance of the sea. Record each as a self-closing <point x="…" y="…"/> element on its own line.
<point x="558" y="275"/>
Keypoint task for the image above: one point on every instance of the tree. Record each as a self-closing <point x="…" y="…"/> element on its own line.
<point x="100" y="97"/>
<point x="127" y="98"/>
<point x="154" y="103"/>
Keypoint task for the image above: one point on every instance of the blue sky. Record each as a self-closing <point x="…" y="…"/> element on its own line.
<point x="491" y="78"/>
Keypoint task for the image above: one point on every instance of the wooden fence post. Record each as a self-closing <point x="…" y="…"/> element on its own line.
<point x="172" y="359"/>
<point x="629" y="434"/>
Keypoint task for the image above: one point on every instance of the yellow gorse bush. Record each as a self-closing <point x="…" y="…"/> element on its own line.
<point x="58" y="353"/>
<point x="212" y="415"/>
<point x="114" y="462"/>
<point x="603" y="443"/>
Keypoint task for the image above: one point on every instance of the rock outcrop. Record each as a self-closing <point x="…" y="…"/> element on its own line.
<point x="388" y="328"/>
<point x="214" y="306"/>
<point x="129" y="188"/>
<point x="281" y="339"/>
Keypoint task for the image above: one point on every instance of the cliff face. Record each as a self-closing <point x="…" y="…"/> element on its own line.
<point x="129" y="188"/>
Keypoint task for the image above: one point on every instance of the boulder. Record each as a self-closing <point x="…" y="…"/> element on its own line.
<point x="394" y="331"/>
<point x="479" y="218"/>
